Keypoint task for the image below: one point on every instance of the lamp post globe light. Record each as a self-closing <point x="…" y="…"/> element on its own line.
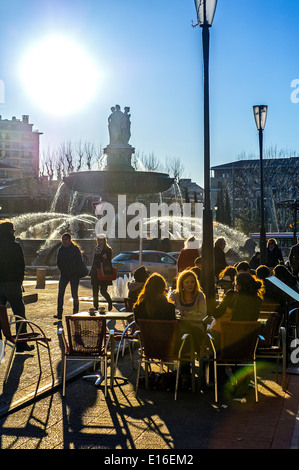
<point x="260" y="116"/>
<point x="205" y="10"/>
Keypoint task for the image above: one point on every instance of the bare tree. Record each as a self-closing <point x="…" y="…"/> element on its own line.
<point x="174" y="168"/>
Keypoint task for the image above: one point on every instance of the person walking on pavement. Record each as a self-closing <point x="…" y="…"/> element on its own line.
<point x="69" y="262"/>
<point x="102" y="252"/>
<point x="12" y="270"/>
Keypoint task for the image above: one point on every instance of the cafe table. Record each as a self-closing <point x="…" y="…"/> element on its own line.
<point x="113" y="315"/>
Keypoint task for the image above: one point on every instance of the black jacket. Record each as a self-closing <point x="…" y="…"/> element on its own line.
<point x="96" y="263"/>
<point x="12" y="263"/>
<point x="69" y="261"/>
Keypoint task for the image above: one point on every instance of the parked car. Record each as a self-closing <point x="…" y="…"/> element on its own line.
<point x="155" y="261"/>
<point x="174" y="254"/>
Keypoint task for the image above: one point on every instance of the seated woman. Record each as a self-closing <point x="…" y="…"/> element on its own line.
<point x="136" y="285"/>
<point x="152" y="303"/>
<point x="283" y="274"/>
<point x="188" y="297"/>
<point x="242" y="304"/>
<point x="226" y="278"/>
<point x="272" y="293"/>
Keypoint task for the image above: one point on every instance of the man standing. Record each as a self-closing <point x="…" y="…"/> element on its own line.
<point x="12" y="269"/>
<point x="294" y="258"/>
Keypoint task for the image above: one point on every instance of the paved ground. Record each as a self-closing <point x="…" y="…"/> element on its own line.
<point x="150" y="421"/>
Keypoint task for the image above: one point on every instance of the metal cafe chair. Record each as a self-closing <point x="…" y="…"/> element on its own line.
<point x="34" y="334"/>
<point x="238" y="345"/>
<point x="131" y="337"/>
<point x="87" y="341"/>
<point x="274" y="344"/>
<point x="162" y="344"/>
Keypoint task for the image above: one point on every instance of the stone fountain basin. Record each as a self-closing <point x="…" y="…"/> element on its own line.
<point x="118" y="182"/>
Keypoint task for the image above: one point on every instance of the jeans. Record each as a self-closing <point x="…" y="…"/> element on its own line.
<point x="12" y="292"/>
<point x="63" y="282"/>
<point x="103" y="290"/>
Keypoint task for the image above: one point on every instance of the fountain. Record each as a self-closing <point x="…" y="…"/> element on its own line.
<point x="118" y="176"/>
<point x="40" y="233"/>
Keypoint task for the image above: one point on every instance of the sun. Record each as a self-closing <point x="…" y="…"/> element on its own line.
<point x="59" y="75"/>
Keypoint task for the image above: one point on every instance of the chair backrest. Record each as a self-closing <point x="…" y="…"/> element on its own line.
<point x="85" y="335"/>
<point x="159" y="338"/>
<point x="270" y="306"/>
<point x="4" y="323"/>
<point x="238" y="340"/>
<point x="271" y="329"/>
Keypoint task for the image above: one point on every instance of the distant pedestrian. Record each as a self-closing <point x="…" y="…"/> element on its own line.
<point x="69" y="262"/>
<point x="294" y="258"/>
<point x="255" y="260"/>
<point x="188" y="254"/>
<point x="273" y="253"/>
<point x="102" y="252"/>
<point x="219" y="256"/>
<point x="12" y="270"/>
<point x="197" y="268"/>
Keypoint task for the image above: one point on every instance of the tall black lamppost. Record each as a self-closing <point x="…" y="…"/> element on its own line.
<point x="205" y="10"/>
<point x="260" y="115"/>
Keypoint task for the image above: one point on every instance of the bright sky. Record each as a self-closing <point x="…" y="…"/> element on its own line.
<point x="146" y="55"/>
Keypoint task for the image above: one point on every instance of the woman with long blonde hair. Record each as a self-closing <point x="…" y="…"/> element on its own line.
<point x="188" y="297"/>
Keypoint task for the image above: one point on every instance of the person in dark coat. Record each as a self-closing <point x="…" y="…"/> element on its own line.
<point x="12" y="270"/>
<point x="102" y="252"/>
<point x="294" y="258"/>
<point x="255" y="261"/>
<point x="273" y="254"/>
<point x="136" y="285"/>
<point x="69" y="260"/>
<point x="272" y="293"/>
<point x="219" y="256"/>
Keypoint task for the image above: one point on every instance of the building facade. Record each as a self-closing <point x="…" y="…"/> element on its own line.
<point x="239" y="182"/>
<point x="19" y="149"/>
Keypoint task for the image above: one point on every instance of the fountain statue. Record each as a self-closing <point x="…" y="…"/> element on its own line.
<point x="118" y="177"/>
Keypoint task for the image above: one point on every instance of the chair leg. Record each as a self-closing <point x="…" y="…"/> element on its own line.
<point x="215" y="381"/>
<point x="255" y="382"/>
<point x="63" y="375"/>
<point x="177" y="381"/>
<point x="112" y="370"/>
<point x="9" y="362"/>
<point x="130" y="346"/>
<point x="38" y="356"/>
<point x="146" y="374"/>
<point x="105" y="368"/>
<point x="50" y="362"/>
<point x="138" y="376"/>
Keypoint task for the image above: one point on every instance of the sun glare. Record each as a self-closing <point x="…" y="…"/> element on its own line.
<point x="59" y="75"/>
